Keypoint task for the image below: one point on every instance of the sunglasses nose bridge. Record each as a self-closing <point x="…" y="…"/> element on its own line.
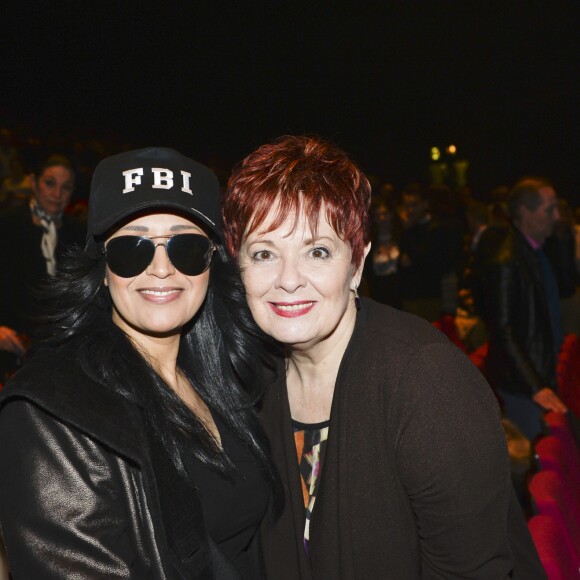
<point x="164" y="244"/>
<point x="160" y="266"/>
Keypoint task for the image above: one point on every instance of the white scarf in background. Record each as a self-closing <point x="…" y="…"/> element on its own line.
<point x="49" y="236"/>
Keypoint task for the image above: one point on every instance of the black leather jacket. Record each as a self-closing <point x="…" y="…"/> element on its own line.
<point x="522" y="358"/>
<point x="85" y="491"/>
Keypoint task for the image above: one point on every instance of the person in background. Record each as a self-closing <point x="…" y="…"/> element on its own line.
<point x="387" y="438"/>
<point x="483" y="243"/>
<point x="380" y="274"/>
<point x="425" y="256"/>
<point x="522" y="310"/>
<point x="498" y="215"/>
<point x="447" y="209"/>
<point x="130" y="446"/>
<point x="33" y="237"/>
<point x="470" y="327"/>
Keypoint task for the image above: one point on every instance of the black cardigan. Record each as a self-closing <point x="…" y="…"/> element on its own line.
<point x="415" y="482"/>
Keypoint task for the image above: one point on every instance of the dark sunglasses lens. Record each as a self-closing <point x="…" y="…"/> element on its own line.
<point x="189" y="253"/>
<point x="128" y="256"/>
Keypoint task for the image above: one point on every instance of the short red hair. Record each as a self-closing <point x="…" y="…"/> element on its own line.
<point x="298" y="174"/>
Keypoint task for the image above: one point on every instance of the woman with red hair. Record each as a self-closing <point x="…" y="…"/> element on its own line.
<point x="387" y="439"/>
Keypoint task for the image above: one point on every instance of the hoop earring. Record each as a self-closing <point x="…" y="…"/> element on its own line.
<point x="356" y="297"/>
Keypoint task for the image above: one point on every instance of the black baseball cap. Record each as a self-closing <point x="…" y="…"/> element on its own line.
<point x="154" y="177"/>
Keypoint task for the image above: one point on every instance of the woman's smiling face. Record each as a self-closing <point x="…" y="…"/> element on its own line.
<point x="160" y="300"/>
<point x="299" y="286"/>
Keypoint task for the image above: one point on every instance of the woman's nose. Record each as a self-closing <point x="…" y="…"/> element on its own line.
<point x="161" y="265"/>
<point x="291" y="275"/>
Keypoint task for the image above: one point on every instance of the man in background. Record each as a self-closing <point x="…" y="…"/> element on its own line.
<point x="523" y="310"/>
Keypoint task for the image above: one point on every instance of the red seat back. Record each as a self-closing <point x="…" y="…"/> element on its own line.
<point x="552" y="499"/>
<point x="555" y="455"/>
<point x="559" y="563"/>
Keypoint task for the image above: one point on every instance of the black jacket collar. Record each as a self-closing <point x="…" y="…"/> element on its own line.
<point x="56" y="383"/>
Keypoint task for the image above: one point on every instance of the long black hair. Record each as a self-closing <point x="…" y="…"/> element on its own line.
<point x="220" y="351"/>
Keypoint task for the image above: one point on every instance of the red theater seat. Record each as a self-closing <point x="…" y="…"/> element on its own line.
<point x="559" y="563"/>
<point x="568" y="370"/>
<point x="560" y="428"/>
<point x="554" y="455"/>
<point x="552" y="499"/>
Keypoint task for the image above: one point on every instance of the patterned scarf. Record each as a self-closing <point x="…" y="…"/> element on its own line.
<point x="49" y="225"/>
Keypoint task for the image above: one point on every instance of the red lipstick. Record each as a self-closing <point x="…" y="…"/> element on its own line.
<point x="292" y="309"/>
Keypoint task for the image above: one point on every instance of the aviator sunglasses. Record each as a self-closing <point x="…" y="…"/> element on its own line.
<point x="128" y="256"/>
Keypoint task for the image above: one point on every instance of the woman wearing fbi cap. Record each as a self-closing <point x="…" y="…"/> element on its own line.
<point x="129" y="445"/>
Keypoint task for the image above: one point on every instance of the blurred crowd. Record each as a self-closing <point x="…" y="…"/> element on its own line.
<point x="431" y="245"/>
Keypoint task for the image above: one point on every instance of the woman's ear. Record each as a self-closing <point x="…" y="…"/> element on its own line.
<point x="366" y="253"/>
<point x="358" y="272"/>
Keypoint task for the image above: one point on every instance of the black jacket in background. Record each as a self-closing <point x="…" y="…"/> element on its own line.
<point x="521" y="348"/>
<point x="478" y="259"/>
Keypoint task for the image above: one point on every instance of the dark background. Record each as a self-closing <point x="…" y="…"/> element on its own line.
<point x="385" y="80"/>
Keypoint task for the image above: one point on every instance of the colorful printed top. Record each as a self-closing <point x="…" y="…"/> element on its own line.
<point x="310" y="442"/>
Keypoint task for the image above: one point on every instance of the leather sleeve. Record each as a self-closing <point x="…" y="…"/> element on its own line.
<point x="69" y="508"/>
<point x="504" y="308"/>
